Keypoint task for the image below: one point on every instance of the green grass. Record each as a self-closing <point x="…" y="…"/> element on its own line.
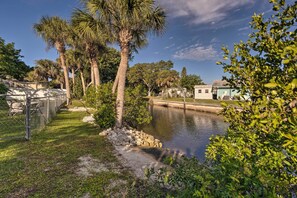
<point x="10" y="126"/>
<point x="77" y="103"/>
<point x="46" y="166"/>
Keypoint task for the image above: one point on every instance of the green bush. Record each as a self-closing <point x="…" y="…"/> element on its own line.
<point x="136" y="107"/>
<point x="103" y="101"/>
<point x="76" y="89"/>
<point x="103" y="95"/>
<point x="105" y="116"/>
<point x="3" y="88"/>
<point x="135" y="111"/>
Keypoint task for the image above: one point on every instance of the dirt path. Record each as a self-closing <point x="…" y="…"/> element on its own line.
<point x="136" y="160"/>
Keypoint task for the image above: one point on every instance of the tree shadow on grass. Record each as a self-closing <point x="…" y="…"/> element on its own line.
<point x="47" y="164"/>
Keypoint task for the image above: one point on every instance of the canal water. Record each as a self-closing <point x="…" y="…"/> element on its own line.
<point x="185" y="131"/>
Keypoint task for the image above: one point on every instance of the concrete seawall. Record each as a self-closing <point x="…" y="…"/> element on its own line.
<point x="187" y="105"/>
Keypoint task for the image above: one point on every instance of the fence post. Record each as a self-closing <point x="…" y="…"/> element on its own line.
<point x="28" y="127"/>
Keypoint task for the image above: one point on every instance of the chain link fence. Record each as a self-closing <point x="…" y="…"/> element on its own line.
<point x="23" y="112"/>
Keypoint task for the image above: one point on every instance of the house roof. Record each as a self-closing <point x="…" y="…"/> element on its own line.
<point x="203" y="86"/>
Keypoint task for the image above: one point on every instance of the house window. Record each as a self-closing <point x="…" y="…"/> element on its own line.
<point x="206" y="90"/>
<point x="199" y="91"/>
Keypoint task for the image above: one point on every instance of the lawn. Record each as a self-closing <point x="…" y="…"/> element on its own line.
<point x="50" y="164"/>
<point x="10" y="126"/>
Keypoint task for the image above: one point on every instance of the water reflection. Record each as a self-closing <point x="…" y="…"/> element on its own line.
<point x="187" y="131"/>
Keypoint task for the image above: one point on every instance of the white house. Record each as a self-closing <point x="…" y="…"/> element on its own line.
<point x="203" y="92"/>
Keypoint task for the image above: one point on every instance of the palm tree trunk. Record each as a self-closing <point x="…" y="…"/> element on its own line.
<point x="83" y="82"/>
<point x="66" y="75"/>
<point x="96" y="71"/>
<point x="121" y="84"/>
<point x="73" y="76"/>
<point x="73" y="79"/>
<point x="92" y="75"/>
<point x="116" y="82"/>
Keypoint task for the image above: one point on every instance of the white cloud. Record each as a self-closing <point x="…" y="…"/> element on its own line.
<point x="197" y="52"/>
<point x="169" y="46"/>
<point x="244" y="28"/>
<point x="202" y="11"/>
<point x="215" y="40"/>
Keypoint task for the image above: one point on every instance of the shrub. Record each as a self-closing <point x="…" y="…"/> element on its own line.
<point x="136" y="107"/>
<point x="77" y="89"/>
<point x="103" y="101"/>
<point x="103" y="95"/>
<point x="105" y="116"/>
<point x="91" y="97"/>
<point x="3" y="88"/>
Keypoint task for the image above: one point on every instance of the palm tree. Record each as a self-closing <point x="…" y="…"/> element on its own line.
<point x="54" y="32"/>
<point x="76" y="59"/>
<point x="46" y="69"/>
<point x="129" y="22"/>
<point x="92" y="35"/>
<point x="71" y="63"/>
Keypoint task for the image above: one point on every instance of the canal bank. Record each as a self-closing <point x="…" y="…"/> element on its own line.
<point x="209" y="108"/>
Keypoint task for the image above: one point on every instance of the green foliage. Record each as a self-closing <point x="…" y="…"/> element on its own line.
<point x="10" y="61"/>
<point x="109" y="63"/>
<point x="105" y="116"/>
<point x="183" y="72"/>
<point x="258" y="156"/>
<point x="77" y="89"/>
<point x="103" y="95"/>
<point x="167" y="79"/>
<point x="103" y="101"/>
<point x="189" y="81"/>
<point x="147" y="74"/>
<point x="3" y="88"/>
<point x="136" y="107"/>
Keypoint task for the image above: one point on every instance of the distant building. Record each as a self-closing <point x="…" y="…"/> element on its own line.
<point x="219" y="90"/>
<point x="203" y="92"/>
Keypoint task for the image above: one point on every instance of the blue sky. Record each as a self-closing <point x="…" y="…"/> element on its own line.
<point x="194" y="34"/>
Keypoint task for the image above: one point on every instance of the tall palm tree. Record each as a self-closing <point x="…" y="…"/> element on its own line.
<point x="54" y="32"/>
<point x="129" y="22"/>
<point x="92" y="35"/>
<point x="76" y="59"/>
<point x="71" y="63"/>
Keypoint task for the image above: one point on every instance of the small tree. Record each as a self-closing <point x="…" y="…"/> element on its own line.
<point x="147" y="74"/>
<point x="258" y="156"/>
<point x="11" y="63"/>
<point x="183" y="72"/>
<point x="189" y="81"/>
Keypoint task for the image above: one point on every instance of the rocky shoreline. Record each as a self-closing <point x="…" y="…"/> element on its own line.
<point x="130" y="137"/>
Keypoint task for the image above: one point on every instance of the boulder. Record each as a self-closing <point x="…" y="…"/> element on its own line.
<point x="89" y="119"/>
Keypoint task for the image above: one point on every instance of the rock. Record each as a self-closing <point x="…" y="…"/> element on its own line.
<point x="89" y="119"/>
<point x="103" y="133"/>
<point x="130" y="137"/>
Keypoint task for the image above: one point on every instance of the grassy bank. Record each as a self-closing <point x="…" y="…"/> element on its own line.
<point x="50" y="164"/>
